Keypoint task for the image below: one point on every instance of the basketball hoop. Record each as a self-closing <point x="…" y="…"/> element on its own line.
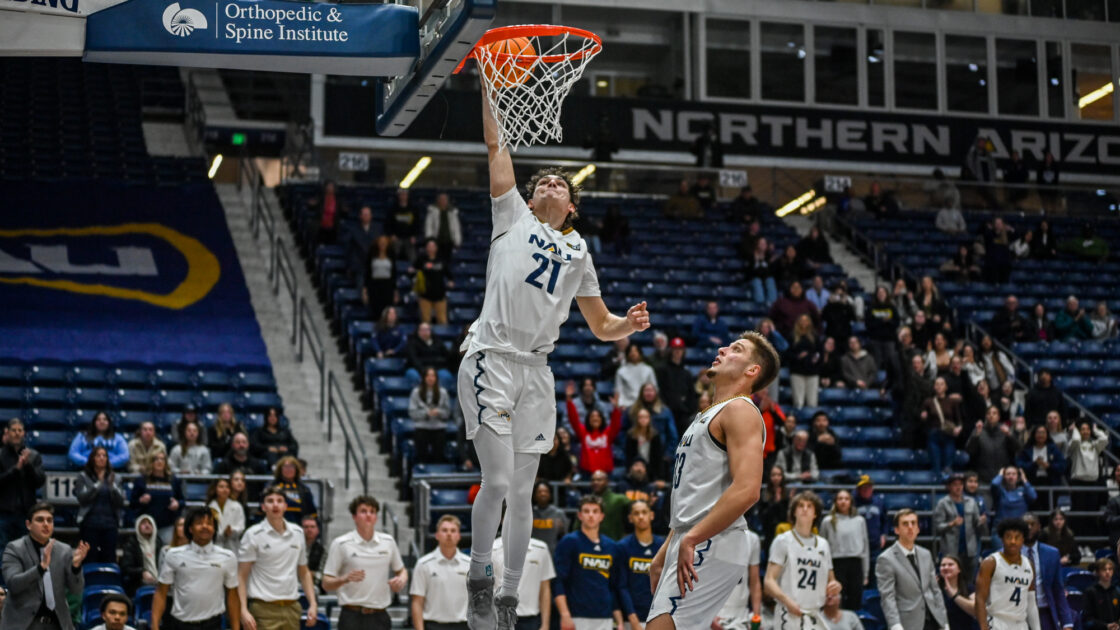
<point x="529" y="70"/>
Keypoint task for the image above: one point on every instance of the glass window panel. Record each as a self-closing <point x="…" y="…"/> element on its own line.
<point x="1055" y="93"/>
<point x="1017" y="76"/>
<point x="1085" y="10"/>
<point x="783" y="62"/>
<point x="915" y="70"/>
<point x="875" y="65"/>
<point x="1114" y="10"/>
<point x="1047" y="8"/>
<point x="966" y="73"/>
<point x="835" y="65"/>
<point x="728" y="58"/>
<point x="1092" y="76"/>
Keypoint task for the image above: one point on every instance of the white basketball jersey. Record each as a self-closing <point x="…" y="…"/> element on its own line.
<point x="805" y="565"/>
<point x="734" y="611"/>
<point x="532" y="275"/>
<point x="701" y="472"/>
<point x="1007" y="597"/>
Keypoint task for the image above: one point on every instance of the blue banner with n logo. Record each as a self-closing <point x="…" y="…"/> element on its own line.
<point x="122" y="273"/>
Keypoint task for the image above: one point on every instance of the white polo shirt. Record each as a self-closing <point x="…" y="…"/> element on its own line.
<point x="379" y="557"/>
<point x="538" y="568"/>
<point x="199" y="577"/>
<point x="276" y="557"/>
<point x="442" y="582"/>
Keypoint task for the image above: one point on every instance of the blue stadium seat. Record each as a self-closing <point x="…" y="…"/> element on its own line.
<point x="87" y="375"/>
<point x="142" y="601"/>
<point x="1080" y="580"/>
<point x="859" y="457"/>
<point x="45" y="375"/>
<point x="101" y="574"/>
<point x="11" y="375"/>
<point x="254" y="381"/>
<point x="1076" y="600"/>
<point x="879" y="435"/>
<point x="131" y="377"/>
<point x="914" y="501"/>
<point x="91" y="600"/>
<point x="55" y="442"/>
<point x="919" y="478"/>
<point x="873" y="607"/>
<point x="48" y="396"/>
<point x="56" y="461"/>
<point x="448" y="496"/>
<point x="881" y="476"/>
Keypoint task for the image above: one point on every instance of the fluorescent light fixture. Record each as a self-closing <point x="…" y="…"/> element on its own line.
<point x="813" y="205"/>
<point x="796" y="203"/>
<point x="583" y="174"/>
<point x="1095" y="95"/>
<point x="421" y="164"/>
<point x="214" y="166"/>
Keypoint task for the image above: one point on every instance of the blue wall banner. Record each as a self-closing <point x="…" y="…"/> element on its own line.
<point x="348" y="39"/>
<point x="118" y="273"/>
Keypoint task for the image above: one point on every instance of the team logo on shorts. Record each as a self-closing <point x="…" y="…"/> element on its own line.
<point x="503" y="415"/>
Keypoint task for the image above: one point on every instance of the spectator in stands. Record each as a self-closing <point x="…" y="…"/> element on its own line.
<point x="358" y="240"/>
<point x="229" y="515"/>
<point x="997" y="366"/>
<point x="940" y="355"/>
<point x="1048" y="581"/>
<point x="1016" y="173"/>
<point x="709" y="329"/>
<point x="1012" y="495"/>
<point x="38" y="560"/>
<point x="1086" y="444"/>
<point x="190" y="414"/>
<point x="803" y="359"/>
<point x="1045" y="245"/>
<point x="569" y="445"/>
<point x="1008" y="324"/>
<point x="823" y="441"/>
<point x="830" y="367"/>
<point x="903" y="299"/>
<point x="221" y="434"/>
<point x="950" y="220"/>
<point x="1044" y="398"/>
<point x="683" y="204"/>
<point x="773" y="504"/>
<point x="316" y="552"/>
<point x="942" y="415"/>
<point x="997" y="237"/>
<point x="958" y="381"/>
<point x="818" y="294"/>
<point x="991" y="447"/>
<point x="189" y="457"/>
<point x="979" y="166"/>
<point x="441" y="223"/>
<point x="962" y="266"/>
<point x="1103" y="322"/>
<point x="1088" y="246"/>
<point x="240" y="458"/>
<point x="272" y="441"/>
<point x="431" y="281"/>
<point x="1021" y="247"/>
<point x="921" y="334"/>
<point x="1101" y="602"/>
<point x="792" y="305"/>
<point x="100" y="433"/>
<point x="100" y="502"/>
<point x="789" y="267"/>
<point x="839" y="313"/>
<point x="912" y="392"/>
<point x="960" y="603"/>
<point x="980" y="400"/>
<point x="388" y="338"/>
<point x="972" y="490"/>
<point x="588" y="399"/>
<point x="379" y="285"/>
<point x="424" y="351"/>
<point x="637" y="484"/>
<point x="746" y="207"/>
<point x="705" y="192"/>
<point x="858" y="367"/>
<point x="956" y="522"/>
<point x="21" y="476"/>
<point x="616" y="230"/>
<point x="1113" y="483"/>
<point x="299" y="502"/>
<point x="1057" y="534"/>
<point x="615" y="506"/>
<point x="143" y="447"/>
<point x="660" y="353"/>
<point x="632" y="375"/>
<point x="614" y="359"/>
<point x="874" y="201"/>
<point x="203" y="579"/>
<point x="798" y="461"/>
<point x="556" y="465"/>
<point x="550" y="522"/>
<point x="402" y="225"/>
<point x="773" y="418"/>
<point x="707" y="147"/>
<point x="330" y="211"/>
<point x="760" y="273"/>
<point x="645" y="442"/>
<point x="178" y="539"/>
<point x="1041" y="460"/>
<point x="846" y="533"/>
<point x="1046" y="178"/>
<point x="159" y="494"/>
<point x="238" y="489"/>
<point x="438" y="591"/>
<point x="813" y="248"/>
<point x="140" y="560"/>
<point x="429" y="407"/>
<point x="596" y="437"/>
<point x="675" y="380"/>
<point x="273" y="567"/>
<point x="929" y="300"/>
<point x="882" y="321"/>
<point x="1019" y="429"/>
<point x="660" y="416"/>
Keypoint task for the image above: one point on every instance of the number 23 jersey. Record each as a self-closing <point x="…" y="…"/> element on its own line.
<point x="532" y="274"/>
<point x="805" y="565"/>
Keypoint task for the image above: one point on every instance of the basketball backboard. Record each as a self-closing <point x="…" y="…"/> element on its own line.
<point x="449" y="29"/>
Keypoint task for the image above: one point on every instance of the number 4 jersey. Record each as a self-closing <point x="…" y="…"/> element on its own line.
<point x="805" y="565"/>
<point x="532" y="275"/>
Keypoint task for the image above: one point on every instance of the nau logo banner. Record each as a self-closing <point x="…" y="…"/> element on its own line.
<point x="353" y="39"/>
<point x="122" y="273"/>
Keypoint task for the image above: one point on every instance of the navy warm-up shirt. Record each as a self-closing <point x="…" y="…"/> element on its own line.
<point x="585" y="571"/>
<point x="633" y="560"/>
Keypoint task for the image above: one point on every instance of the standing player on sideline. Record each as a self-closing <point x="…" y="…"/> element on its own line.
<point x="537" y="264"/>
<point x="799" y="571"/>
<point x="633" y="557"/>
<point x="717" y="476"/>
<point x="1005" y="597"/>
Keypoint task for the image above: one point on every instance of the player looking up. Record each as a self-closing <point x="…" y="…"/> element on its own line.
<point x="537" y="265"/>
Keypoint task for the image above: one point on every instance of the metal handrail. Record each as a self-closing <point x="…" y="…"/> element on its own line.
<point x="336" y="405"/>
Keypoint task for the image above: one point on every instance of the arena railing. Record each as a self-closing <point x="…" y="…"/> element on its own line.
<point x="305" y="334"/>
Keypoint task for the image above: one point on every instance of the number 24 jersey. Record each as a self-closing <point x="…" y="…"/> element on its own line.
<point x="805" y="565"/>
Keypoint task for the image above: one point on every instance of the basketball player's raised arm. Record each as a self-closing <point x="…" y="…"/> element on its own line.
<point x="501" y="165"/>
<point x="983" y="588"/>
<point x="607" y="326"/>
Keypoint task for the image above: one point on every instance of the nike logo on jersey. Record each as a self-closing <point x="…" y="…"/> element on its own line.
<point x="547" y="246"/>
<point x="540" y="437"/>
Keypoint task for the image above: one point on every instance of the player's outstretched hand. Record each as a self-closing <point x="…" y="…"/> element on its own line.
<point x="638" y="317"/>
<point x="686" y="573"/>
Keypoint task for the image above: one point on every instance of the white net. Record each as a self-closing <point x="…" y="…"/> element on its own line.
<point x="528" y="85"/>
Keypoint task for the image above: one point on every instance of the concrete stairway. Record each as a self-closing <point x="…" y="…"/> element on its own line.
<point x="848" y="259"/>
<point x="298" y="382"/>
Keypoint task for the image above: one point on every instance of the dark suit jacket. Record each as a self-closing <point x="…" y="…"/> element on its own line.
<point x="1048" y="565"/>
<point x="25" y="583"/>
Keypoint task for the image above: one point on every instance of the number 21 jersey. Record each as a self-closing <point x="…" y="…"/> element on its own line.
<point x="532" y="274"/>
<point x="805" y="565"/>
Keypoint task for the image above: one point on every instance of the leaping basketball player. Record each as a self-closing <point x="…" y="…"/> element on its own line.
<point x="717" y="476"/>
<point x="537" y="264"/>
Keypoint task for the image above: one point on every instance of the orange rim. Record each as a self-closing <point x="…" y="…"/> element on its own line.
<point x="529" y="30"/>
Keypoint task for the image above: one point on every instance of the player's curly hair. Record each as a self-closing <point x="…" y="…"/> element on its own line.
<point x="806" y="496"/>
<point x="574" y="189"/>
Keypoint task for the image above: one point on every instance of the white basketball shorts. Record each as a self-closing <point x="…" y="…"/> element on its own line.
<point x="809" y="620"/>
<point x="510" y="396"/>
<point x="720" y="563"/>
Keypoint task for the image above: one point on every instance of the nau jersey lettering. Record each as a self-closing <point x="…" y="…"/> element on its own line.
<point x="585" y="571"/>
<point x="633" y="559"/>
